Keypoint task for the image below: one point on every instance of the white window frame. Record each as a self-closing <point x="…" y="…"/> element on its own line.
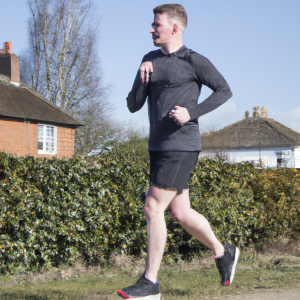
<point x="44" y="151"/>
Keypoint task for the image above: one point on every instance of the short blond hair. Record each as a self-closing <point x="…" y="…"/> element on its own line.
<point x="175" y="12"/>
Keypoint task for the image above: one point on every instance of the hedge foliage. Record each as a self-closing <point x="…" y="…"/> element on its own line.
<point x="55" y="210"/>
<point x="277" y="198"/>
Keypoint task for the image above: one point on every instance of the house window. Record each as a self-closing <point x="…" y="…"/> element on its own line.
<point x="47" y="139"/>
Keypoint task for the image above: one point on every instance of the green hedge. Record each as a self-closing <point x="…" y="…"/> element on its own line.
<point x="55" y="210"/>
<point x="277" y="198"/>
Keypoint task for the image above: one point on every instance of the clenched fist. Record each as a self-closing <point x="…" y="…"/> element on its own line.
<point x="180" y="115"/>
<point x="145" y="69"/>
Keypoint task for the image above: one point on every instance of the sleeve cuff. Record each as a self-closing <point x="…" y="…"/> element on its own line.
<point x="193" y="113"/>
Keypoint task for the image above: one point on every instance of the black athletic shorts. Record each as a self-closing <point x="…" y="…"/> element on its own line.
<point x="171" y="170"/>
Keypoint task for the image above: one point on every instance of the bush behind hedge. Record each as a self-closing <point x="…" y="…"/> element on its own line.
<point x="55" y="210"/>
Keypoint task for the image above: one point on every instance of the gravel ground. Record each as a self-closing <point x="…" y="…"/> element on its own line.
<point x="270" y="295"/>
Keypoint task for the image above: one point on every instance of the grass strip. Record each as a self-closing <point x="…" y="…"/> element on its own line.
<point x="182" y="281"/>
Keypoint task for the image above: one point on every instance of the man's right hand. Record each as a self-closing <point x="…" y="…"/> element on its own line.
<point x="145" y="69"/>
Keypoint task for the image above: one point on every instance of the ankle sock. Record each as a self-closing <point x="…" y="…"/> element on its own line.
<point x="217" y="257"/>
<point x="149" y="280"/>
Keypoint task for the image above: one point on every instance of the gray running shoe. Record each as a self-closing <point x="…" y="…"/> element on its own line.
<point x="143" y="289"/>
<point x="227" y="264"/>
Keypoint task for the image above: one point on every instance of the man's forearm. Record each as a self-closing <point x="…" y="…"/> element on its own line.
<point x="222" y="94"/>
<point x="208" y="75"/>
<point x="138" y="94"/>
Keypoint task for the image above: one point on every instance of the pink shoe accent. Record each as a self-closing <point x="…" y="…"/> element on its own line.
<point x="122" y="294"/>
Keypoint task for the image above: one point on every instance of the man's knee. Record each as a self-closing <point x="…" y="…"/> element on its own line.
<point x="151" y="208"/>
<point x="178" y="216"/>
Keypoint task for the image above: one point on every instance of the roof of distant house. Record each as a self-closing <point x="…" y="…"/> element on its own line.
<point x="19" y="101"/>
<point x="252" y="132"/>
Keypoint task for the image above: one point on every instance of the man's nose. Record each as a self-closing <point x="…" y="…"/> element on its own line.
<point x="152" y="30"/>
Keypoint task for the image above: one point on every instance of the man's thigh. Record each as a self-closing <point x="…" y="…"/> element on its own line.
<point x="180" y="203"/>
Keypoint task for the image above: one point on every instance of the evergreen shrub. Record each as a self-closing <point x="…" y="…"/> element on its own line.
<point x="54" y="211"/>
<point x="277" y="198"/>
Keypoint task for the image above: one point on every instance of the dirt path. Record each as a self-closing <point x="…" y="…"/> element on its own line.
<point x="270" y="295"/>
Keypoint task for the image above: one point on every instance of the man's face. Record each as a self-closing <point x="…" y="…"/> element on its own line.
<point x="161" y="30"/>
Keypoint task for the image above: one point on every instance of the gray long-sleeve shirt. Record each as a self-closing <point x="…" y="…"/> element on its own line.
<point x="177" y="79"/>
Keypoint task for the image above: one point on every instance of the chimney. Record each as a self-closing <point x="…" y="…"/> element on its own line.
<point x="255" y="111"/>
<point x="6" y="48"/>
<point x="264" y="112"/>
<point x="9" y="63"/>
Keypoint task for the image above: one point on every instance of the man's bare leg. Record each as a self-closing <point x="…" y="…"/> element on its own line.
<point x="194" y="223"/>
<point x="157" y="201"/>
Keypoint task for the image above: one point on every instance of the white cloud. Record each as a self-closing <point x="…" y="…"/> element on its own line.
<point x="290" y="118"/>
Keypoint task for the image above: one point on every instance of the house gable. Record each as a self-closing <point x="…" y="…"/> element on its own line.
<point x="250" y="133"/>
<point x="22" y="110"/>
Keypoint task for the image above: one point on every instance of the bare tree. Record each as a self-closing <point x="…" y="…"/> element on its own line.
<point x="133" y="130"/>
<point x="61" y="61"/>
<point x="100" y="130"/>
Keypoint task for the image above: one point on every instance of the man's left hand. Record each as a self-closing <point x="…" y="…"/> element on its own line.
<point x="180" y="115"/>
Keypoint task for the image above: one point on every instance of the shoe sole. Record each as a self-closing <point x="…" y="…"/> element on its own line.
<point x="236" y="257"/>
<point x="150" y="297"/>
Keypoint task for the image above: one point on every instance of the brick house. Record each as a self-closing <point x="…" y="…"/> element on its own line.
<point x="29" y="123"/>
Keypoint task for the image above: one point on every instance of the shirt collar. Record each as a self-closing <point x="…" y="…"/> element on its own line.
<point x="176" y="53"/>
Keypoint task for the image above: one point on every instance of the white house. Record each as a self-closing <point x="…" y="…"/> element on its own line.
<point x="256" y="139"/>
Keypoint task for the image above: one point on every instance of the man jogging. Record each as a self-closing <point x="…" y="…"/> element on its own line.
<point x="171" y="78"/>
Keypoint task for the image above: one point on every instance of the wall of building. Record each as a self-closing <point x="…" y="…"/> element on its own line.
<point x="287" y="156"/>
<point x="21" y="138"/>
<point x="297" y="157"/>
<point x="65" y="142"/>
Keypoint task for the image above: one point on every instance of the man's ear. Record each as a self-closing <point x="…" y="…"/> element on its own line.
<point x="175" y="28"/>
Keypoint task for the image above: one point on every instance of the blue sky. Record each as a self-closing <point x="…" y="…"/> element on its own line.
<point x="254" y="44"/>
